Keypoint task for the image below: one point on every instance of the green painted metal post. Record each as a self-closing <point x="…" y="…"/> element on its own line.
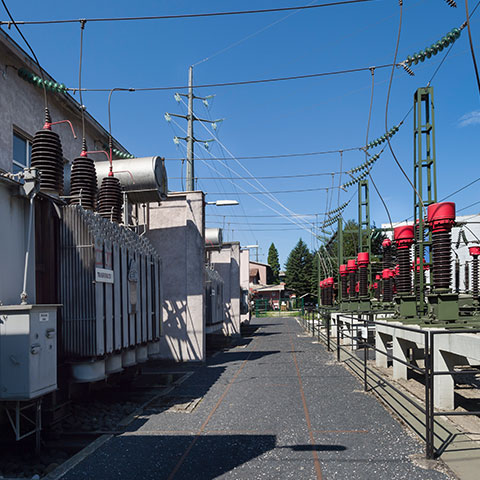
<point x="364" y="244"/>
<point x="339" y="255"/>
<point x="425" y="182"/>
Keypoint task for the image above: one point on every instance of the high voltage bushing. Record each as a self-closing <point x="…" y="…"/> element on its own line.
<point x="474" y="252"/>
<point x="404" y="237"/>
<point x="376" y="286"/>
<point x="352" y="274"/>
<point x="83" y="182"/>
<point x="363" y="260"/>
<point x="387" y="280"/>
<point x="441" y="217"/>
<point x="344" y="280"/>
<point x="329" y="283"/>
<point x="467" y="276"/>
<point x="47" y="158"/>
<point x="387" y="253"/>
<point x="110" y="199"/>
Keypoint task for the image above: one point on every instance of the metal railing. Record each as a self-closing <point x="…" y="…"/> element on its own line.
<point x="320" y="325"/>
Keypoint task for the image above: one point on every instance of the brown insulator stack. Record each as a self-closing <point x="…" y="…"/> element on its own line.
<point x="387" y="277"/>
<point x="363" y="260"/>
<point x="404" y="237"/>
<point x="83" y="182"/>
<point x="352" y="274"/>
<point x="387" y="253"/>
<point x="47" y="158"/>
<point x="329" y="283"/>
<point x="109" y="204"/>
<point x="344" y="280"/>
<point x="474" y="252"/>
<point x="441" y="217"/>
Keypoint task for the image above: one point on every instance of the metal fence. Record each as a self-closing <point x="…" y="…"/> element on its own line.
<point x="320" y="325"/>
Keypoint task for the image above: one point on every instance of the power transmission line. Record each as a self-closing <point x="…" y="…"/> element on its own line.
<point x="242" y="82"/>
<point x="303" y="175"/>
<point x="284" y="155"/>
<point x="183" y="15"/>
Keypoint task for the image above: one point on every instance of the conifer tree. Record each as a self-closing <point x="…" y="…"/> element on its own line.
<point x="298" y="269"/>
<point x="274" y="263"/>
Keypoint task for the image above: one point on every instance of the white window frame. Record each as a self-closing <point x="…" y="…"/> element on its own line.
<point x="27" y="150"/>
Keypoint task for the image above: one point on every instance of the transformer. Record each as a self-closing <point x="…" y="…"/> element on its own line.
<point x="110" y="280"/>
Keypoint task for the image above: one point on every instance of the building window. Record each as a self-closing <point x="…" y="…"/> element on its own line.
<point x="22" y="152"/>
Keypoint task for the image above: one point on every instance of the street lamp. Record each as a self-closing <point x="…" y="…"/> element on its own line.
<point x="223" y="203"/>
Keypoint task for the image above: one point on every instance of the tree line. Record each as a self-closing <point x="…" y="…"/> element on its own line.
<point x="303" y="266"/>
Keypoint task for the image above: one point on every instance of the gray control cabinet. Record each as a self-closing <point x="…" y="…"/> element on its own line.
<point x="28" y="351"/>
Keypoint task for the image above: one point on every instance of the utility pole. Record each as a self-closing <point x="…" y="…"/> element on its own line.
<point x="190" y="137"/>
<point x="191" y="117"/>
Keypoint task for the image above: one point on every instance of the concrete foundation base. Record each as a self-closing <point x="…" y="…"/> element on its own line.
<point x="449" y="350"/>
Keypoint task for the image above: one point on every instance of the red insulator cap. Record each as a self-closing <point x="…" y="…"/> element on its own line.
<point x="330" y="282"/>
<point x="375" y="285"/>
<point x="378" y="276"/>
<point x="404" y="236"/>
<point x="441" y="216"/>
<point x="474" y="251"/>
<point x="386" y="243"/>
<point x="351" y="266"/>
<point x="363" y="259"/>
<point x="343" y="270"/>
<point x="386" y="274"/>
<point x="357" y="287"/>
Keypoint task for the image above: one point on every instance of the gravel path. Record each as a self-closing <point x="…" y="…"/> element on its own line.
<point x="274" y="407"/>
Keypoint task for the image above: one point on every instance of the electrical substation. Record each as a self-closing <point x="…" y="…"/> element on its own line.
<point x="139" y="338"/>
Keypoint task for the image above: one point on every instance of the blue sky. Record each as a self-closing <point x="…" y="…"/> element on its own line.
<point x="309" y="115"/>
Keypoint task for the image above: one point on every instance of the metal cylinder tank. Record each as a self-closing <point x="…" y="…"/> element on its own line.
<point x="213" y="237"/>
<point x="143" y="179"/>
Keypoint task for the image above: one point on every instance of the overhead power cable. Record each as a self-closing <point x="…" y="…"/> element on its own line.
<point x="307" y="226"/>
<point x="300" y="215"/>
<point x="185" y="15"/>
<point x="241" y="82"/>
<point x="284" y="155"/>
<point x="472" y="51"/>
<point x="269" y="192"/>
<point x="268" y="177"/>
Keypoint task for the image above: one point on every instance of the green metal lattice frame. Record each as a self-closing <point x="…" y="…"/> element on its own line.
<point x="425" y="181"/>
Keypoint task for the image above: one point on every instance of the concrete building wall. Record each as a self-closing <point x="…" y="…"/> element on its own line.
<point x="22" y="109"/>
<point x="177" y="233"/>
<point x="14" y="219"/>
<point x="244" y="279"/>
<point x="226" y="261"/>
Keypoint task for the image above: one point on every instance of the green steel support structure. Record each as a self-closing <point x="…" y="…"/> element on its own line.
<point x="425" y="182"/>
<point x="364" y="242"/>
